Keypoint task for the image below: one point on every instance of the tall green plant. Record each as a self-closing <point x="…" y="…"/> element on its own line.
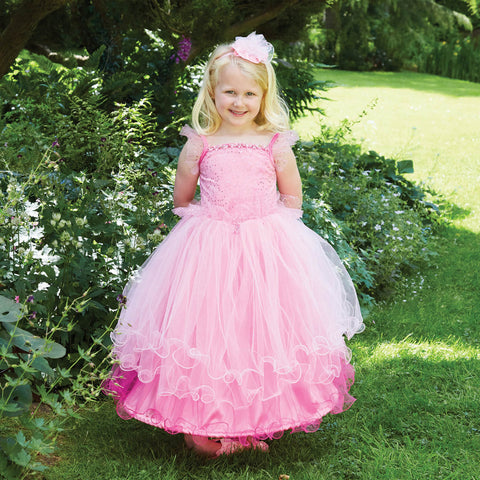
<point x="455" y="59"/>
<point x="28" y="381"/>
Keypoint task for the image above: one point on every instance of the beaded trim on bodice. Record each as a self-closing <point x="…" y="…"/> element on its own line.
<point x="224" y="146"/>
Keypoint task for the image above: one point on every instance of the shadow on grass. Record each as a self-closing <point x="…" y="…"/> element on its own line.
<point x="404" y="80"/>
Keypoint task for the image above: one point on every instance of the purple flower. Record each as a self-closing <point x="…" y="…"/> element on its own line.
<point x="30" y="299"/>
<point x="33" y="315"/>
<point x="184" y="48"/>
<point x="6" y="144"/>
<point x="122" y="299"/>
<point x="55" y="144"/>
<point x="183" y="52"/>
<point x="103" y="139"/>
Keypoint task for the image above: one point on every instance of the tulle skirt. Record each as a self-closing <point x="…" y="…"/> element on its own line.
<point x="236" y="329"/>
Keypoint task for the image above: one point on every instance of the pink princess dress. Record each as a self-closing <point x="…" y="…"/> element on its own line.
<point x="234" y="327"/>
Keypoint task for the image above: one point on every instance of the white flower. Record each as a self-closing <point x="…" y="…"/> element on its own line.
<point x="56" y="216"/>
<point x="378" y="227"/>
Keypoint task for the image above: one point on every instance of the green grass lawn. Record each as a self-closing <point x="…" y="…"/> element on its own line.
<point x="432" y="120"/>
<point x="418" y="363"/>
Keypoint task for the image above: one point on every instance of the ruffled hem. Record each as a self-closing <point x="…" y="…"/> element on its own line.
<point x="300" y="407"/>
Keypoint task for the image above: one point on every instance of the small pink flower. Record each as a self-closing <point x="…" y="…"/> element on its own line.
<point x="17" y="299"/>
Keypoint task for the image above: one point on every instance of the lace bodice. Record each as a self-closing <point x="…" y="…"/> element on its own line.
<point x="237" y="180"/>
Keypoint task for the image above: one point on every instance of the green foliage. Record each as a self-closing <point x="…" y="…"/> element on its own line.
<point x="44" y="106"/>
<point x="386" y="219"/>
<point x="28" y="380"/>
<point x="23" y="367"/>
<point x="455" y="59"/>
<point x="391" y="35"/>
<point x="67" y="233"/>
<point x="299" y="87"/>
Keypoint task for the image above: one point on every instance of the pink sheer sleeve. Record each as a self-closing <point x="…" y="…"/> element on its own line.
<point x="284" y="161"/>
<point x="282" y="148"/>
<point x="193" y="149"/>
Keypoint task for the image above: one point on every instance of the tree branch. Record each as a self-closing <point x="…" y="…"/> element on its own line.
<point x="57" y="57"/>
<point x="252" y="23"/>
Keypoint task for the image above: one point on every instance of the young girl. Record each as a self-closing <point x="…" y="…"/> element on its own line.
<point x="233" y="329"/>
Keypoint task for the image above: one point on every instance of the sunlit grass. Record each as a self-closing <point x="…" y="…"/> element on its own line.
<point x="432" y="120"/>
<point x="431" y="351"/>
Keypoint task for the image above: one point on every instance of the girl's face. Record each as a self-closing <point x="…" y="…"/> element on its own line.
<point x="238" y="98"/>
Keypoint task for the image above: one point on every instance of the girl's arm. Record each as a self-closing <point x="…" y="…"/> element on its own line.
<point x="288" y="180"/>
<point x="185" y="179"/>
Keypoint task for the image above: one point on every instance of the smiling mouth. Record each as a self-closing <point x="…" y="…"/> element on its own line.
<point x="237" y="114"/>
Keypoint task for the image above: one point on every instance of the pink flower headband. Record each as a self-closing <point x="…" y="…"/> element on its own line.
<point x="253" y="48"/>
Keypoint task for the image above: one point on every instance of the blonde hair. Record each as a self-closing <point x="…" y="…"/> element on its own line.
<point x="273" y="114"/>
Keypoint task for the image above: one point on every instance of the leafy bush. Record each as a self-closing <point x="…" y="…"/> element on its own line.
<point x="386" y="219"/>
<point x="44" y="106"/>
<point x="66" y="233"/>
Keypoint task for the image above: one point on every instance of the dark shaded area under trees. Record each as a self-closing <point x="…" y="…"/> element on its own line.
<point x="90" y="24"/>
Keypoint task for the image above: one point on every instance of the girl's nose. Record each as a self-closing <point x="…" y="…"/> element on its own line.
<point x="238" y="100"/>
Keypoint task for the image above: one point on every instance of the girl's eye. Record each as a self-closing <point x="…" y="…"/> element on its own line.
<point x="230" y="92"/>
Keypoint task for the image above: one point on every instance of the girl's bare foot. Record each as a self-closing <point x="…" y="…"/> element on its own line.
<point x="257" y="444"/>
<point x="202" y="445"/>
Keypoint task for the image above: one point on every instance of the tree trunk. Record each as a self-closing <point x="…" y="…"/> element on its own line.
<point x="22" y="24"/>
